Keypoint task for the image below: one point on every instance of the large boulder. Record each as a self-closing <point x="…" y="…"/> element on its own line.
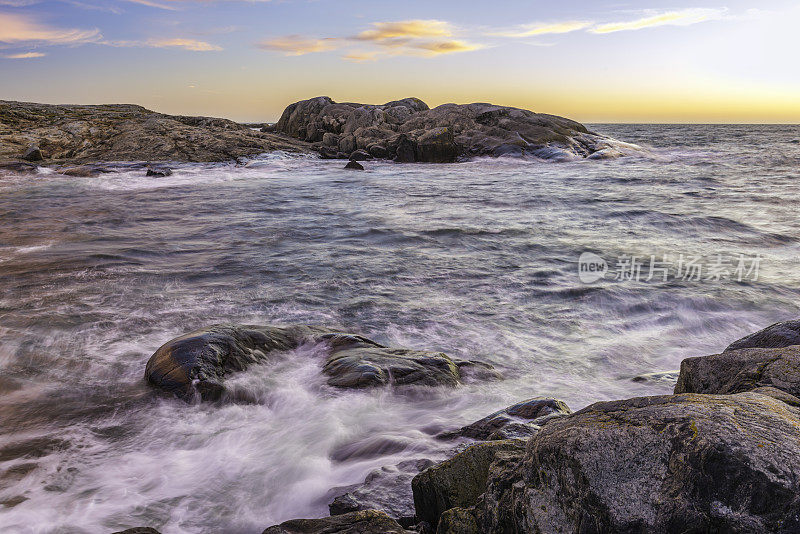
<point x="742" y="370"/>
<point x="459" y="481"/>
<point x="519" y="421"/>
<point x="408" y="131"/>
<point x="194" y="365"/>
<point x="778" y="335"/>
<point x="365" y="522"/>
<point x="680" y="463"/>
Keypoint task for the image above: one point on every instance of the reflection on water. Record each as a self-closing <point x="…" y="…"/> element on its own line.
<point x="477" y="259"/>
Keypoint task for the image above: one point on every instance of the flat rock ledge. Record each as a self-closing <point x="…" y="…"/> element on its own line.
<point x="408" y="131"/>
<point x="195" y="365"/>
<point x="58" y="135"/>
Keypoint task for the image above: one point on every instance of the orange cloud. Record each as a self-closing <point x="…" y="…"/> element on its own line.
<point x="383" y="31"/>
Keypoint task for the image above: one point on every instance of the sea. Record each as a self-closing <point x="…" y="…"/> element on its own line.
<point x="582" y="280"/>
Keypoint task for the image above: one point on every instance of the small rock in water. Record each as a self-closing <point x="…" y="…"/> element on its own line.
<point x="518" y="421"/>
<point x="33" y="154"/>
<point x="363" y="522"/>
<point x="354" y="165"/>
<point x="161" y="173"/>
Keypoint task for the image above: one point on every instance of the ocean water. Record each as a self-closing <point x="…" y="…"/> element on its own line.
<point x="478" y="259"/>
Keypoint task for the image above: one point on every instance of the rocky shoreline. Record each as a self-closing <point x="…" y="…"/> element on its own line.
<point x="79" y="140"/>
<point x="722" y="454"/>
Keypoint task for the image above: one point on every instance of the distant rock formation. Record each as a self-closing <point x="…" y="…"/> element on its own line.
<point x="50" y="134"/>
<point x="409" y="131"/>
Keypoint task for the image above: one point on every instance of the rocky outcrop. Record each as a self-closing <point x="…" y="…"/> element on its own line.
<point x="459" y="481"/>
<point x="195" y="365"/>
<point x="519" y="421"/>
<point x="681" y="463"/>
<point x="366" y="522"/>
<point x="74" y="134"/>
<point x="409" y="131"/>
<point x="783" y="334"/>
<point x="742" y="370"/>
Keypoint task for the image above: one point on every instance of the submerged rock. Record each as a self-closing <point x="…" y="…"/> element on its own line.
<point x="459" y="481"/>
<point x="21" y="167"/>
<point x="680" y="463"/>
<point x="138" y="530"/>
<point x="159" y="172"/>
<point x="783" y="334"/>
<point x="387" y="489"/>
<point x="364" y="522"/>
<point x="742" y="370"/>
<point x="408" y="131"/>
<point x="358" y="362"/>
<point x="195" y="364"/>
<point x="520" y="420"/>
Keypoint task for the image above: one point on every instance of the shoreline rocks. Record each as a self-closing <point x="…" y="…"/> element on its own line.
<point x="195" y="364"/>
<point x="408" y="131"/>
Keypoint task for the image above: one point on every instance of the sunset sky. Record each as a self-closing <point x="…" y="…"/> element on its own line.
<point x="590" y="60"/>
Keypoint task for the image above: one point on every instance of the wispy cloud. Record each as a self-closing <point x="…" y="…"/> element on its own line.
<point x="297" y="45"/>
<point x="383" y="31"/>
<point x="159" y="5"/>
<point x="24" y="55"/>
<point x="16" y="28"/>
<point x="186" y="44"/>
<point x="684" y="17"/>
<point x="545" y="28"/>
<point x="177" y="42"/>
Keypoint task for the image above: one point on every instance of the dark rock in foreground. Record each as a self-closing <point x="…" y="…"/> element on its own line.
<point x="783" y="334"/>
<point x="742" y="370"/>
<point x="365" y="522"/>
<point x="138" y="530"/>
<point x="459" y="481"/>
<point x="126" y="133"/>
<point x="196" y="364"/>
<point x="681" y="463"/>
<point x="522" y="420"/>
<point x="408" y="131"/>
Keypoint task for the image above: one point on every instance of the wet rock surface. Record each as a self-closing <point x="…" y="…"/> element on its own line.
<point x="194" y="365"/>
<point x="519" y="421"/>
<point x="387" y="489"/>
<point x="742" y="370"/>
<point x="122" y="132"/>
<point x="364" y="522"/>
<point x="783" y="334"/>
<point x="408" y="131"/>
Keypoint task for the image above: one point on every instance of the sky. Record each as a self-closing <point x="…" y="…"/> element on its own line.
<point x="590" y="60"/>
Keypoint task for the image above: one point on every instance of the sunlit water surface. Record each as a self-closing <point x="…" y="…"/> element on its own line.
<point x="476" y="259"/>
